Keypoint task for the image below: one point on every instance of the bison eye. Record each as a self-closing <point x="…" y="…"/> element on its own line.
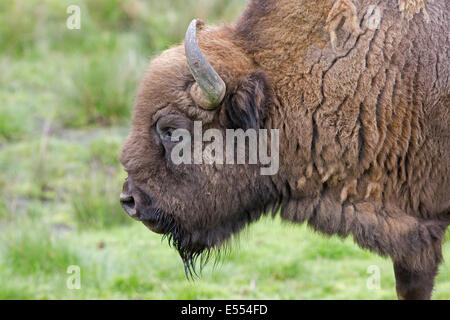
<point x="167" y="125"/>
<point x="165" y="133"/>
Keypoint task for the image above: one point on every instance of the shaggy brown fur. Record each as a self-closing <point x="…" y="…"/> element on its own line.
<point x="364" y="119"/>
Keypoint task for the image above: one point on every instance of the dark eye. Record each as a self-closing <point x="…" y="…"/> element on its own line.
<point x="167" y="126"/>
<point x="166" y="134"/>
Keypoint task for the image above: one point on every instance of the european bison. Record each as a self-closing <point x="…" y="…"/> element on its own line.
<point x="360" y="94"/>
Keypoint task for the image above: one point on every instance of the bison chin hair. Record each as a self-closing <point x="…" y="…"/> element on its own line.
<point x="192" y="253"/>
<point x="197" y="247"/>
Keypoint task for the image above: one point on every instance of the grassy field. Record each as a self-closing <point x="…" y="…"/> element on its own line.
<point x="65" y="101"/>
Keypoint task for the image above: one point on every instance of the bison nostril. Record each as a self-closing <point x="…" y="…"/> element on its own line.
<point x="128" y="204"/>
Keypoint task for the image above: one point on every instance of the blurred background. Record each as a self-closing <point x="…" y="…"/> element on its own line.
<point x="65" y="103"/>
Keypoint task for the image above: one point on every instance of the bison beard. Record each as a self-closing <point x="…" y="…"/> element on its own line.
<point x="178" y="238"/>
<point x="197" y="247"/>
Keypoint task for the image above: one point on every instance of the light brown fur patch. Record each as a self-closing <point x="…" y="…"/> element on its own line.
<point x="301" y="182"/>
<point x="349" y="189"/>
<point x="411" y="7"/>
<point x="342" y="9"/>
<point x="373" y="190"/>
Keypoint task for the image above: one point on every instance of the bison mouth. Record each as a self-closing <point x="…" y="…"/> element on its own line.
<point x="151" y="220"/>
<point x="152" y="226"/>
<point x="157" y="223"/>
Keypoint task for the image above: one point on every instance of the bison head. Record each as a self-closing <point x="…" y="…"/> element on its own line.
<point x="197" y="207"/>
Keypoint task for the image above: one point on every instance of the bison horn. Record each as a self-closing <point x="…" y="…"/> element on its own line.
<point x="209" y="89"/>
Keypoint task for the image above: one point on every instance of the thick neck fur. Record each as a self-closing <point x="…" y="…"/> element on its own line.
<point x="350" y="110"/>
<point x="351" y="104"/>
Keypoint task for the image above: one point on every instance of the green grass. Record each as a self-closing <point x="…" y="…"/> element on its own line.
<point x="34" y="251"/>
<point x="11" y="124"/>
<point x="132" y="263"/>
<point x="93" y="205"/>
<point x="102" y="90"/>
<point x="65" y="103"/>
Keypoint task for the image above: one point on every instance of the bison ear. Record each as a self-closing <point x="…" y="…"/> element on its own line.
<point x="245" y="106"/>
